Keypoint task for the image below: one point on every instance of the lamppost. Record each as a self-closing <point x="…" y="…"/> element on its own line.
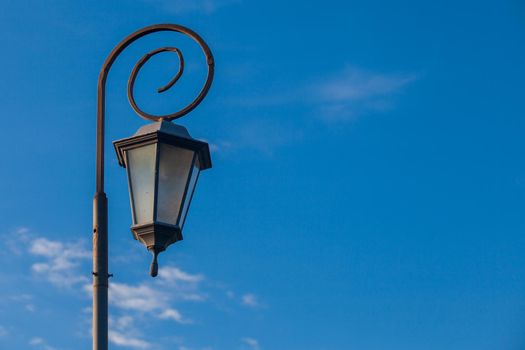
<point x="163" y="163"/>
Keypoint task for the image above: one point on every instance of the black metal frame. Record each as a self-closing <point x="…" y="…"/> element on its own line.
<point x="183" y="200"/>
<point x="191" y="197"/>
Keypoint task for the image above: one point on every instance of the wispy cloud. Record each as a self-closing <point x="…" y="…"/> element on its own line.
<point x="249" y="344"/>
<point x="36" y="341"/>
<point x="340" y="96"/>
<point x="26" y="299"/>
<point x="263" y="135"/>
<point x="173" y="274"/>
<point x="143" y="298"/>
<point x="355" y="91"/>
<point x="40" y="343"/>
<point x="355" y="84"/>
<point x="172" y="314"/>
<point x="182" y="7"/>
<point x="60" y="261"/>
<point x="13" y="242"/>
<point x="3" y="332"/>
<point x="250" y="300"/>
<point x="153" y="298"/>
<point x="122" y="339"/>
<point x="186" y="286"/>
<point x="124" y="333"/>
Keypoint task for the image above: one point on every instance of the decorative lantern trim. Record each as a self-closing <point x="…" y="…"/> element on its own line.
<point x="157" y="235"/>
<point x="164" y="132"/>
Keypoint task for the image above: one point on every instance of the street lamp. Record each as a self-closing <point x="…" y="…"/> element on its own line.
<point x="163" y="163"/>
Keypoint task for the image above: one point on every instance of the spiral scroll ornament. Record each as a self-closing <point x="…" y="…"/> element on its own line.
<point x="185" y="110"/>
<point x="137" y="35"/>
<point x="133" y="76"/>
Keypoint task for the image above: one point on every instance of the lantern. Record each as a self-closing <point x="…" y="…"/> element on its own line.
<point x="163" y="163"/>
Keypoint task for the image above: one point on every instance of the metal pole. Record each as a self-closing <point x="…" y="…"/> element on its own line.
<point x="100" y="272"/>
<point x="100" y="202"/>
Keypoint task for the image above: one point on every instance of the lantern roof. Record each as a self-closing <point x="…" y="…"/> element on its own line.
<point x="164" y="132"/>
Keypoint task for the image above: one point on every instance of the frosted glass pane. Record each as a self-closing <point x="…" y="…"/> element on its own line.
<point x="191" y="188"/>
<point x="174" y="169"/>
<point x="141" y="172"/>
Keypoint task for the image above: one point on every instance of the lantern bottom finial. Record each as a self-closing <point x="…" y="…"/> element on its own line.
<point x="154" y="267"/>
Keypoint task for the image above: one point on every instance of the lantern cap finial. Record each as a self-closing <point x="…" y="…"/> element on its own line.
<point x="165" y="127"/>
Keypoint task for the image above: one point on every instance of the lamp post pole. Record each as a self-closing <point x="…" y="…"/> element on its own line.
<point x="100" y="202"/>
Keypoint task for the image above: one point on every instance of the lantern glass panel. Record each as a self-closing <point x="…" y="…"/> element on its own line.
<point x="191" y="187"/>
<point x="141" y="171"/>
<point x="175" y="164"/>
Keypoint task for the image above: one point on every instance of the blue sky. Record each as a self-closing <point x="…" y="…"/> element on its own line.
<point x="367" y="193"/>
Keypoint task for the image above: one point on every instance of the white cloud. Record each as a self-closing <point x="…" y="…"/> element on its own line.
<point x="263" y="135"/>
<point x="36" y="341"/>
<point x="355" y="91"/>
<point x="250" y="343"/>
<point x="61" y="261"/>
<point x="3" y="332"/>
<point x="126" y="340"/>
<point x="123" y="322"/>
<point x="220" y="146"/>
<point x="139" y="298"/>
<point x="25" y="299"/>
<point x="342" y="96"/>
<point x="174" y="274"/>
<point x="143" y="298"/>
<point x="183" y="285"/>
<point x="356" y="84"/>
<point x="172" y="314"/>
<point x="22" y="297"/>
<point x="40" y="343"/>
<point x="17" y="241"/>
<point x="122" y="332"/>
<point x="156" y="298"/>
<point x="22" y="230"/>
<point x="250" y="300"/>
<point x="45" y="247"/>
